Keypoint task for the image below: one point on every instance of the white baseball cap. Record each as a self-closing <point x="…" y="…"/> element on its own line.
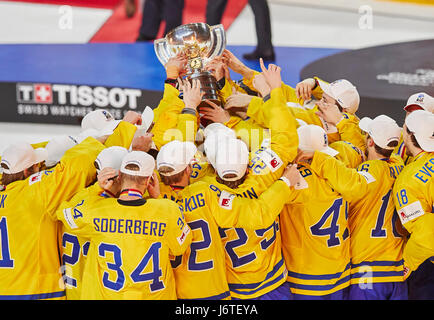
<point x="420" y="100"/>
<point x="314" y="138"/>
<point x="57" y="147"/>
<point x="147" y="118"/>
<point x="211" y="146"/>
<point x="20" y="156"/>
<point x="382" y="130"/>
<point x="100" y="120"/>
<point x="343" y="92"/>
<point x="144" y="161"/>
<point x="232" y="158"/>
<point x="176" y="155"/>
<point x="218" y="128"/>
<point x="421" y="123"/>
<point x="110" y="158"/>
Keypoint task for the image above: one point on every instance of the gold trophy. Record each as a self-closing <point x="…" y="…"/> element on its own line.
<point x="200" y="43"/>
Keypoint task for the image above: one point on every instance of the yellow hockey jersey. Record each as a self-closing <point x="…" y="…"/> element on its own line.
<point x="73" y="249"/>
<point x="130" y="244"/>
<point x="207" y="209"/>
<point x="376" y="246"/>
<point x="413" y="194"/>
<point x="170" y="123"/>
<point x="253" y="257"/>
<point x="29" y="264"/>
<point x="315" y="238"/>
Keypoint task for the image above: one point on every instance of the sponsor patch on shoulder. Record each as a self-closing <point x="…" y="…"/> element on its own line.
<point x="226" y="199"/>
<point x="369" y="177"/>
<point x="36" y="177"/>
<point x="183" y="235"/>
<point x="69" y="219"/>
<point x="271" y="159"/>
<point x="410" y="212"/>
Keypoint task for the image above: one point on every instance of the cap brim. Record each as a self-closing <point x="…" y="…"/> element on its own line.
<point x="413" y="106"/>
<point x="109" y="128"/>
<point x="325" y="87"/>
<point x="330" y="151"/>
<point x="147" y="118"/>
<point x="365" y="124"/>
<point x="426" y="144"/>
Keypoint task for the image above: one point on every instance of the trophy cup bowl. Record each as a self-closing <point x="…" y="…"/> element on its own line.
<point x="200" y="43"/>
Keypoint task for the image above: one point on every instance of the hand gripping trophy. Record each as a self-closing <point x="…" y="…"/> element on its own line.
<point x="200" y="43"/>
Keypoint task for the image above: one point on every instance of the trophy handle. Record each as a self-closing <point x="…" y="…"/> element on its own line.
<point x="162" y="51"/>
<point x="219" y="43"/>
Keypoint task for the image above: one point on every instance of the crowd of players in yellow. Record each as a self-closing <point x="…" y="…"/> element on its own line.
<point x="281" y="194"/>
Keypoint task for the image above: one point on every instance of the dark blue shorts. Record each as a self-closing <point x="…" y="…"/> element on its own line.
<point x="379" y="291"/>
<point x="283" y="292"/>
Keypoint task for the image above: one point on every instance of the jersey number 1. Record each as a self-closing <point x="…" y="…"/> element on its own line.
<point x="5" y="259"/>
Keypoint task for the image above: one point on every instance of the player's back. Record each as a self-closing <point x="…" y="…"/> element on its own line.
<point x="254" y="262"/>
<point x="375" y="241"/>
<point x="315" y="238"/>
<point x="73" y="249"/>
<point x="130" y="245"/>
<point x="201" y="271"/>
<point x="28" y="242"/>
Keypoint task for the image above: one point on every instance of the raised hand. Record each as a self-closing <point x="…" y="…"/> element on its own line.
<point x="329" y="112"/>
<point x="261" y="85"/>
<point x="237" y="100"/>
<point x="303" y="89"/>
<point x="133" y="117"/>
<point x="176" y="66"/>
<point x="236" y="65"/>
<point x="192" y="94"/>
<point x="106" y="179"/>
<point x="215" y="113"/>
<point x="271" y="75"/>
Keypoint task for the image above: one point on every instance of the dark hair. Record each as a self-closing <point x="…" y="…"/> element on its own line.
<point x="173" y="179"/>
<point x="413" y="138"/>
<point x="341" y="109"/>
<point x="386" y="152"/>
<point x="231" y="184"/>
<point x="8" y="178"/>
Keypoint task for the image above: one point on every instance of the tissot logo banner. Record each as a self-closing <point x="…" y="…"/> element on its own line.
<point x="78" y="95"/>
<point x="68" y="103"/>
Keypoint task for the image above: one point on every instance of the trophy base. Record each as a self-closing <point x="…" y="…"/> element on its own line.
<point x="208" y="85"/>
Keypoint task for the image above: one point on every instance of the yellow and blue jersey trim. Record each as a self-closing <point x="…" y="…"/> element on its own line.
<point x="273" y="279"/>
<point x="319" y="285"/>
<point x="377" y="271"/>
<point x="38" y="296"/>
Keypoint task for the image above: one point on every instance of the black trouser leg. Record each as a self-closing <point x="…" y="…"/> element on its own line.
<point x="214" y="11"/>
<point x="263" y="25"/>
<point x="151" y="19"/>
<point x="172" y="14"/>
